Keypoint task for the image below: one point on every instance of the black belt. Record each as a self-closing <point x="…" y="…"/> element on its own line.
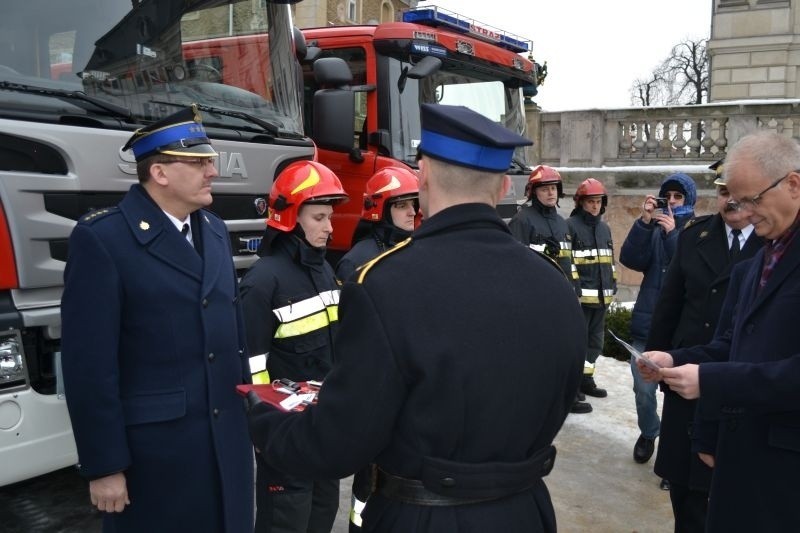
<point x="449" y="483"/>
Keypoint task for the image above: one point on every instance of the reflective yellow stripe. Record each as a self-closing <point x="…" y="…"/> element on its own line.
<point x="262" y="378"/>
<point x="604" y="260"/>
<point x="308" y="324"/>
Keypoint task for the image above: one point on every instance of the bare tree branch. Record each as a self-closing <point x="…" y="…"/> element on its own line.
<point x="680" y="79"/>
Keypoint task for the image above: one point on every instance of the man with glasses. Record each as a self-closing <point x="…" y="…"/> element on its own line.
<point x="686" y="314"/>
<point x="153" y="347"/>
<point x="747" y="378"/>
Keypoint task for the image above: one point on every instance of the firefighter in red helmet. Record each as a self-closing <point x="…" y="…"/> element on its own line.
<point x="539" y="226"/>
<point x="388" y="216"/>
<point x="593" y="257"/>
<point x="290" y="298"/>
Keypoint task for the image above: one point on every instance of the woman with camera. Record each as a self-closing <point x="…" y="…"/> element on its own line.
<point x="648" y="248"/>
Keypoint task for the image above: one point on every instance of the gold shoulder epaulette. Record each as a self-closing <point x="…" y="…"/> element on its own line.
<point x="692" y="221"/>
<point x="363" y="269"/>
<point x="97" y="214"/>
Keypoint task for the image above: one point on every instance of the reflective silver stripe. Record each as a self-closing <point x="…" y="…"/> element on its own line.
<point x="595" y="252"/>
<point x="595" y="293"/>
<point x="537" y="247"/>
<point x="566" y="245"/>
<point x="309" y="306"/>
<point x="258" y="363"/>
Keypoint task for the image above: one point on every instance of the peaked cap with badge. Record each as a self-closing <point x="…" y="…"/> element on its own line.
<point x="180" y="134"/>
<point x="717" y="167"/>
<point x="460" y="136"/>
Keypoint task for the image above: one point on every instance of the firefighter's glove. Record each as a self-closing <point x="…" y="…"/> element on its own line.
<point x="552" y="247"/>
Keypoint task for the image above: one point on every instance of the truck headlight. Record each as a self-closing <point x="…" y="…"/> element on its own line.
<point x="12" y="367"/>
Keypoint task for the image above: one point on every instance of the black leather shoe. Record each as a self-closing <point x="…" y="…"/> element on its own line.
<point x="580" y="407"/>
<point x="664" y="485"/>
<point x="589" y="388"/>
<point x="581" y="397"/>
<point x="643" y="449"/>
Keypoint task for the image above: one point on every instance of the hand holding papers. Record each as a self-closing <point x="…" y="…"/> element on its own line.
<point x="636" y="354"/>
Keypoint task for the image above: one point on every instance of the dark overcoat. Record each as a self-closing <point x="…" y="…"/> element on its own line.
<point x="152" y="350"/>
<point x="687" y="314"/>
<point x="460" y="344"/>
<point x="755" y="396"/>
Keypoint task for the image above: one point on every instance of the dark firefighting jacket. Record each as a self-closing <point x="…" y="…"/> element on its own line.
<point x="290" y="298"/>
<point x="593" y="257"/>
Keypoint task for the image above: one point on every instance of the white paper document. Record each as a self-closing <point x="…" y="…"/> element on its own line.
<point x="636" y="354"/>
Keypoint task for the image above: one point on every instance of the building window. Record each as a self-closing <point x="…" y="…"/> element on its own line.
<point x="387" y="12"/>
<point x="351" y="11"/>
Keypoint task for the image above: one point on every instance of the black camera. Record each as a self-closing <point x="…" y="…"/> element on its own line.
<point x="661" y="203"/>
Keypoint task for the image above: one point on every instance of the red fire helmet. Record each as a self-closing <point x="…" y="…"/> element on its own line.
<point x="302" y="182"/>
<point x="389" y="184"/>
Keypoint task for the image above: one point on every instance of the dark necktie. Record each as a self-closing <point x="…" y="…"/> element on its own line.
<point x="735" y="244"/>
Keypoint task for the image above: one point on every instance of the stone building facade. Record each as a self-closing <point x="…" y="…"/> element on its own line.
<point x="317" y="13"/>
<point x="754" y="49"/>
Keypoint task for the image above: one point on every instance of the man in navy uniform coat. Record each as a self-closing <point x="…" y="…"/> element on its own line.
<point x="459" y="354"/>
<point x="749" y="380"/>
<point x="687" y="314"/>
<point x="153" y="347"/>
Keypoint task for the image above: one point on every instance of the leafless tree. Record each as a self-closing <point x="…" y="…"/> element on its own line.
<point x="680" y="79"/>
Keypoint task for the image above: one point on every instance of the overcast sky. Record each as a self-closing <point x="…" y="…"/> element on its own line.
<point x="594" y="49"/>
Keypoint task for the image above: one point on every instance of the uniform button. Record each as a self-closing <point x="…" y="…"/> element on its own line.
<point x="205" y="302"/>
<point x="211" y="356"/>
<point x="706" y="325"/>
<point x="713" y="291"/>
<point x="447" y="482"/>
<point x="215" y="412"/>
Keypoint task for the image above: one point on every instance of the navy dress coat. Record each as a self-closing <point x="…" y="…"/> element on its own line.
<point x="153" y="347"/>
<point x="755" y="397"/>
<point x="686" y="315"/>
<point x="458" y="345"/>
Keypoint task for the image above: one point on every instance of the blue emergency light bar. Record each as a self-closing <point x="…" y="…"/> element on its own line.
<point x="436" y="16"/>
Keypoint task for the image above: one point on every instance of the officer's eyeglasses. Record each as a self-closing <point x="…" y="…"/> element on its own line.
<point x="201" y="163"/>
<point x="748" y="204"/>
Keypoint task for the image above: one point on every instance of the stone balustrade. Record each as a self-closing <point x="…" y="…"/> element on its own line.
<point x="631" y="151"/>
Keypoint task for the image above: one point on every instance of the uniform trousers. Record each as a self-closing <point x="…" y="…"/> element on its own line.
<point x="289" y="505"/>
<point x="689" y="508"/>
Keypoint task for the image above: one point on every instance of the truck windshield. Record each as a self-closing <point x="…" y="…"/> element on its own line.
<point x="490" y="94"/>
<point x="105" y="60"/>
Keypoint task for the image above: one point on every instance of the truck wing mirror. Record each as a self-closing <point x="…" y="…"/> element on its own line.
<point x="424" y="68"/>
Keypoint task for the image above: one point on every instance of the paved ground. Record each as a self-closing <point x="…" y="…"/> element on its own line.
<point x="596" y="486"/>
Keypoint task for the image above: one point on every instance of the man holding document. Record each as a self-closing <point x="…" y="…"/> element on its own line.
<point x="747" y="378"/>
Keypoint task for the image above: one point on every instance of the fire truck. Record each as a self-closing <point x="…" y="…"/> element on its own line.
<point x="77" y="77"/>
<point x="431" y="56"/>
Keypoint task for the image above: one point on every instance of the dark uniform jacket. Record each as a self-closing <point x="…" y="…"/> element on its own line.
<point x="755" y="397"/>
<point x="153" y="348"/>
<point x="379" y="238"/>
<point x="472" y="355"/>
<point x="687" y="314"/>
<point x="593" y="257"/>
<point x="545" y="231"/>
<point x="290" y="298"/>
